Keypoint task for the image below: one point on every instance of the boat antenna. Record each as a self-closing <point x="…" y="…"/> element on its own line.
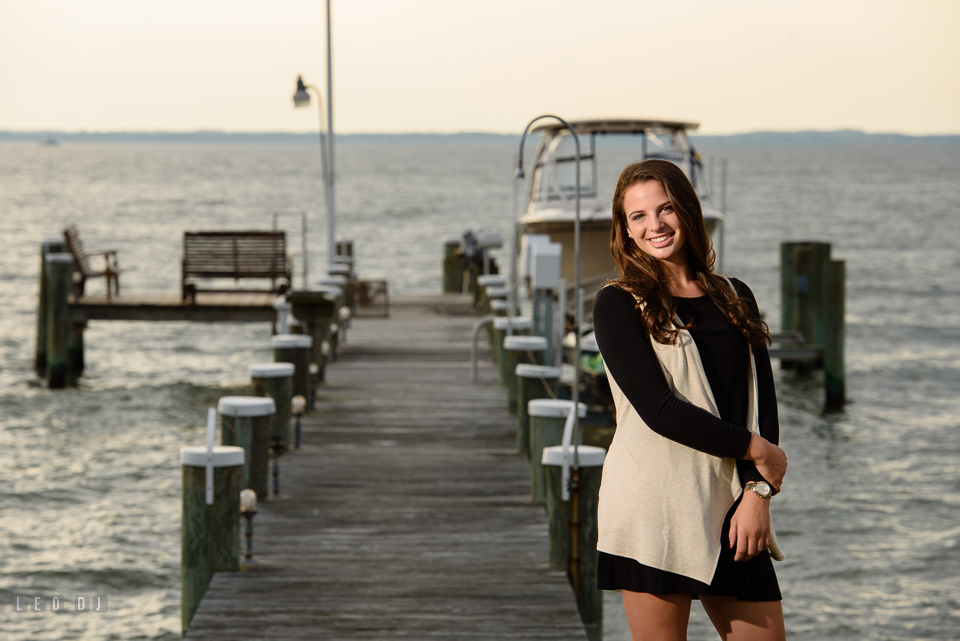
<point x="577" y="318"/>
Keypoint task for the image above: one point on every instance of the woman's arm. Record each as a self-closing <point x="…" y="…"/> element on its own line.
<point x="768" y="419"/>
<point x="631" y="360"/>
<point x="750" y="525"/>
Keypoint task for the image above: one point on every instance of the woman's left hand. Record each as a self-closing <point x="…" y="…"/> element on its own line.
<point x="750" y="527"/>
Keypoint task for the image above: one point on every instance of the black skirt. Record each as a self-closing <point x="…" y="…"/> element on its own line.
<point x="753" y="580"/>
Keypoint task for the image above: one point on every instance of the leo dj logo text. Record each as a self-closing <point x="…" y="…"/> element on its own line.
<point x="59" y="604"/>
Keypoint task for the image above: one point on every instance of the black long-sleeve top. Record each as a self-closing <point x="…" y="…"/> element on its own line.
<point x="724" y="352"/>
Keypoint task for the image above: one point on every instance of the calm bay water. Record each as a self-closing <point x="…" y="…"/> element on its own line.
<point x="868" y="516"/>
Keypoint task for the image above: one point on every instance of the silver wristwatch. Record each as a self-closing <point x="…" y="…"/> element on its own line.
<point x="762" y="488"/>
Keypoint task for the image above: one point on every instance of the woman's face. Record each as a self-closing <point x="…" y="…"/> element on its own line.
<point x="653" y="224"/>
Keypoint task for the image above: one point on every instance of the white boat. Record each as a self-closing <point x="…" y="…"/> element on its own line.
<point x="552" y="188"/>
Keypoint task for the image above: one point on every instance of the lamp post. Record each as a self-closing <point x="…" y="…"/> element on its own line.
<point x="301" y="99"/>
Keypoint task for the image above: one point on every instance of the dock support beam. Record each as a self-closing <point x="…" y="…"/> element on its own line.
<point x="834" y="308"/>
<point x="48" y="246"/>
<point x="59" y="277"/>
<point x="452" y="267"/>
<point x="802" y="265"/>
<point x="813" y="293"/>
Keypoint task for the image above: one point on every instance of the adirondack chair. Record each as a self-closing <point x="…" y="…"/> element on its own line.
<point x="81" y="261"/>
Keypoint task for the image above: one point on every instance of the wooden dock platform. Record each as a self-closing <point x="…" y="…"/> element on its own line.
<point x="209" y="307"/>
<point x="407" y="511"/>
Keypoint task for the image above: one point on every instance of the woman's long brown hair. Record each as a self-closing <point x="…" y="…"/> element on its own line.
<point x="645" y="277"/>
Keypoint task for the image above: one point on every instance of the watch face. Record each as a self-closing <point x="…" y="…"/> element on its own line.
<point x="763" y="489"/>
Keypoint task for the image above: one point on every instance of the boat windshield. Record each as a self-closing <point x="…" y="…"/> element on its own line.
<point x="554" y="176"/>
<point x="555" y="173"/>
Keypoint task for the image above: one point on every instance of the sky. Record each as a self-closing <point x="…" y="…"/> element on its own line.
<point x="480" y="65"/>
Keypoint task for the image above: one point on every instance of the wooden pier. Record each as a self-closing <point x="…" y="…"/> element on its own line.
<point x="406" y="513"/>
<point x="208" y="307"/>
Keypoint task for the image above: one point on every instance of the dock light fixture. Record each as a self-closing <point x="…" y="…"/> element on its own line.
<point x="248" y="509"/>
<point x="298" y="405"/>
<point x="578" y="314"/>
<point x="301" y="99"/>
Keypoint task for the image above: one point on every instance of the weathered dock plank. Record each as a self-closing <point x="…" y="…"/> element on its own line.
<point x="407" y="512"/>
<point x="209" y="307"/>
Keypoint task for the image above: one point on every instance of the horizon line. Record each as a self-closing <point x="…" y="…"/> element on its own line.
<point x="445" y="133"/>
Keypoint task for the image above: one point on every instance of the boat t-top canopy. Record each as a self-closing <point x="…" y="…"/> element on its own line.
<point x="617" y="126"/>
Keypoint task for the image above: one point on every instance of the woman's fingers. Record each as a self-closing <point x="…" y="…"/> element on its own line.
<point x="750" y="527"/>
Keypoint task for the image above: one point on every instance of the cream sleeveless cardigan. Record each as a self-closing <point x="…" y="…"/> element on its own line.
<point x="663" y="503"/>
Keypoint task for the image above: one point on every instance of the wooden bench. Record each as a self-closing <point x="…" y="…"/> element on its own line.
<point x="81" y="260"/>
<point x="236" y="255"/>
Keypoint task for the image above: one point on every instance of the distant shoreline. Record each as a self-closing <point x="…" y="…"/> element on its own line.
<point x="752" y="139"/>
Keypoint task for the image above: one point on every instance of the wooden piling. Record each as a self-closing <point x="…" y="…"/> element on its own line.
<point x="573" y="529"/>
<point x="59" y="277"/>
<point x="275" y="380"/>
<point x="296" y="349"/>
<point x="209" y="534"/>
<point x="245" y="422"/>
<point x="48" y="246"/>
<point x="452" y="267"/>
<point x="520" y="350"/>
<point x="788" y="287"/>
<point x="547" y="419"/>
<point x="834" y="311"/>
<point x="343" y="249"/>
<point x="802" y="267"/>
<point x="533" y="382"/>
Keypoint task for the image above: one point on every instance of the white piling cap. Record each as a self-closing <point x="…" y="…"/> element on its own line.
<point x="271" y="370"/>
<point x="526" y="370"/>
<point x="552" y="408"/>
<point x="491" y="280"/>
<point x="587" y="455"/>
<point x="223" y="456"/>
<point x="499" y="305"/>
<point x="291" y="341"/>
<point x="524" y="343"/>
<point x="246" y="406"/>
<point x="518" y="322"/>
<point x="497" y="292"/>
<point x="60" y="257"/>
<point x="336" y="280"/>
<point x="52" y="240"/>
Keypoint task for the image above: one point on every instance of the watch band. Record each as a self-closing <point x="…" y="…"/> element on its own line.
<point x="760" y="488"/>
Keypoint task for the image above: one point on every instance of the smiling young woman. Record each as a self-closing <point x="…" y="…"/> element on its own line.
<point x="684" y="503"/>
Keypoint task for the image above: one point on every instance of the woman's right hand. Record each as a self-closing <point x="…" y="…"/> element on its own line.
<point x="771" y="461"/>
